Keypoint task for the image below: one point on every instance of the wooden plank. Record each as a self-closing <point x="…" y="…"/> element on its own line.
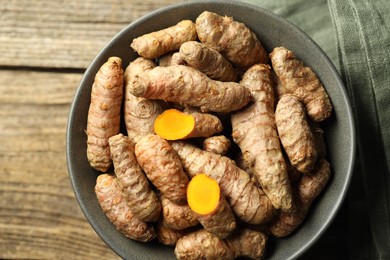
<point x="64" y="34"/>
<point x="39" y="215"/>
<point x="25" y="242"/>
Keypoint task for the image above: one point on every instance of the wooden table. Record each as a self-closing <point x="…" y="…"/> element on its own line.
<point x="45" y="46"/>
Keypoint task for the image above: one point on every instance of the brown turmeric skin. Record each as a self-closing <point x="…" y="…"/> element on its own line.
<point x="247" y="201"/>
<point x="218" y="144"/>
<point x="163" y="167"/>
<point x="104" y="113"/>
<point x="254" y="130"/>
<point x="177" y="217"/>
<point x="235" y="41"/>
<point x="302" y="82"/>
<point x="190" y="87"/>
<point x="143" y="201"/>
<point x="295" y="133"/>
<point x="204" y="245"/>
<point x="205" y="59"/>
<point x="156" y="44"/>
<point x="115" y="205"/>
<point x="166" y="59"/>
<point x="306" y="191"/>
<point x="139" y="113"/>
<point x="167" y="235"/>
<point x="246" y="161"/>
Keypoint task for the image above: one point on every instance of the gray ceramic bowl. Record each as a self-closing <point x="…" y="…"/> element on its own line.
<point x="273" y="31"/>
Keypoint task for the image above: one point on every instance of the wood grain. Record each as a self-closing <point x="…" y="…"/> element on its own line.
<point x="45" y="47"/>
<point x="39" y="215"/>
<point x="63" y="34"/>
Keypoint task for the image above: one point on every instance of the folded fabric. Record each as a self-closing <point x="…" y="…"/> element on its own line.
<point x="363" y="43"/>
<point x="312" y="17"/>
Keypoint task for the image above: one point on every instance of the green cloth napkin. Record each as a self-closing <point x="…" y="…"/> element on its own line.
<point x="355" y="34"/>
<point x="363" y="43"/>
<point x="312" y="17"/>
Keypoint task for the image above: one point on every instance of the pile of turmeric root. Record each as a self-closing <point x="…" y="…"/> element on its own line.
<point x="222" y="145"/>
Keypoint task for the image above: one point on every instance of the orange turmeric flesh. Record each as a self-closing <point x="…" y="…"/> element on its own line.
<point x="203" y="194"/>
<point x="173" y="124"/>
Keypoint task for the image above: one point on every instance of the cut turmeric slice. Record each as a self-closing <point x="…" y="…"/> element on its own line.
<point x="214" y="213"/>
<point x="203" y="194"/>
<point x="173" y="124"/>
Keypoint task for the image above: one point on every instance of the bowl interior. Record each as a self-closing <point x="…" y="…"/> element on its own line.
<point x="272" y="31"/>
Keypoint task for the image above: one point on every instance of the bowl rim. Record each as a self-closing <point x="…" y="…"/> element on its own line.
<point x="351" y="160"/>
